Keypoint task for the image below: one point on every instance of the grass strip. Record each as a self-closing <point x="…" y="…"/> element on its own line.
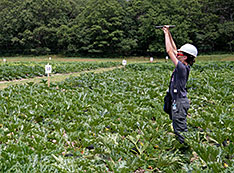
<point x="53" y="77"/>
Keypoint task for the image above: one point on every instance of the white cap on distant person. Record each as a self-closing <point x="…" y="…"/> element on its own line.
<point x="189" y="49"/>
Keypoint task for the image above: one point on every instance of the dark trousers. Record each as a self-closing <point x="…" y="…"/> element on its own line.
<point x="179" y="114"/>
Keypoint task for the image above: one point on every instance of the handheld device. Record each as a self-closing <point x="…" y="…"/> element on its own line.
<point x="161" y="26"/>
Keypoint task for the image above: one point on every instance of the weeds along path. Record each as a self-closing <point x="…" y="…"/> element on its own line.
<point x="53" y="77"/>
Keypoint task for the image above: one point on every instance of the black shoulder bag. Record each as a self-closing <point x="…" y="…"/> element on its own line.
<point x="168" y="101"/>
<point x="167" y="104"/>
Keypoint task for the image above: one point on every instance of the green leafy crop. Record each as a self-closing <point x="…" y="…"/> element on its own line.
<point x="22" y="70"/>
<point x="114" y="122"/>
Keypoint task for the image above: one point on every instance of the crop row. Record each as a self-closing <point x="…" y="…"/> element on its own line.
<point x="114" y="121"/>
<point x="11" y="71"/>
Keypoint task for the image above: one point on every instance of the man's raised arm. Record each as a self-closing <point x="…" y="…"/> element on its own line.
<point x="170" y="45"/>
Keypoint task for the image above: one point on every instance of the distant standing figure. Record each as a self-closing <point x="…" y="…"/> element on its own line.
<point x="182" y="59"/>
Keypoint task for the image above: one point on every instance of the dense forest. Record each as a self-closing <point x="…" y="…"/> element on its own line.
<point x="113" y="27"/>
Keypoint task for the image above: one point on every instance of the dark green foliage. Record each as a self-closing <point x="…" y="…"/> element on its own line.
<point x="113" y="27"/>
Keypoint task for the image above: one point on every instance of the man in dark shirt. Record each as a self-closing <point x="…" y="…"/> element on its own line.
<point x="182" y="59"/>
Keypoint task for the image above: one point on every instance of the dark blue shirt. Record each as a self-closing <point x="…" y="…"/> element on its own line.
<point x="179" y="79"/>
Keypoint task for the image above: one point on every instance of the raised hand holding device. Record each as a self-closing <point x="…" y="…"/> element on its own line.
<point x="161" y="26"/>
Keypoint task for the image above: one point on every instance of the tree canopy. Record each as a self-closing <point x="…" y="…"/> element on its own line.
<point x="113" y="27"/>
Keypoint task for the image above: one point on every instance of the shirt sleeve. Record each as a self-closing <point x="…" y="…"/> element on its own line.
<point x="181" y="69"/>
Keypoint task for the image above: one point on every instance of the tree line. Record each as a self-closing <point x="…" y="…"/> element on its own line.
<point x="113" y="27"/>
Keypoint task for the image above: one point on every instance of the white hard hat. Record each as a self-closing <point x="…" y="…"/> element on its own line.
<point x="189" y="49"/>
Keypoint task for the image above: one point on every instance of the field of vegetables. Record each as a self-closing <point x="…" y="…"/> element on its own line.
<point x="23" y="70"/>
<point x="114" y="122"/>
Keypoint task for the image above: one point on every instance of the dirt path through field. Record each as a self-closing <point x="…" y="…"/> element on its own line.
<point x="53" y="77"/>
